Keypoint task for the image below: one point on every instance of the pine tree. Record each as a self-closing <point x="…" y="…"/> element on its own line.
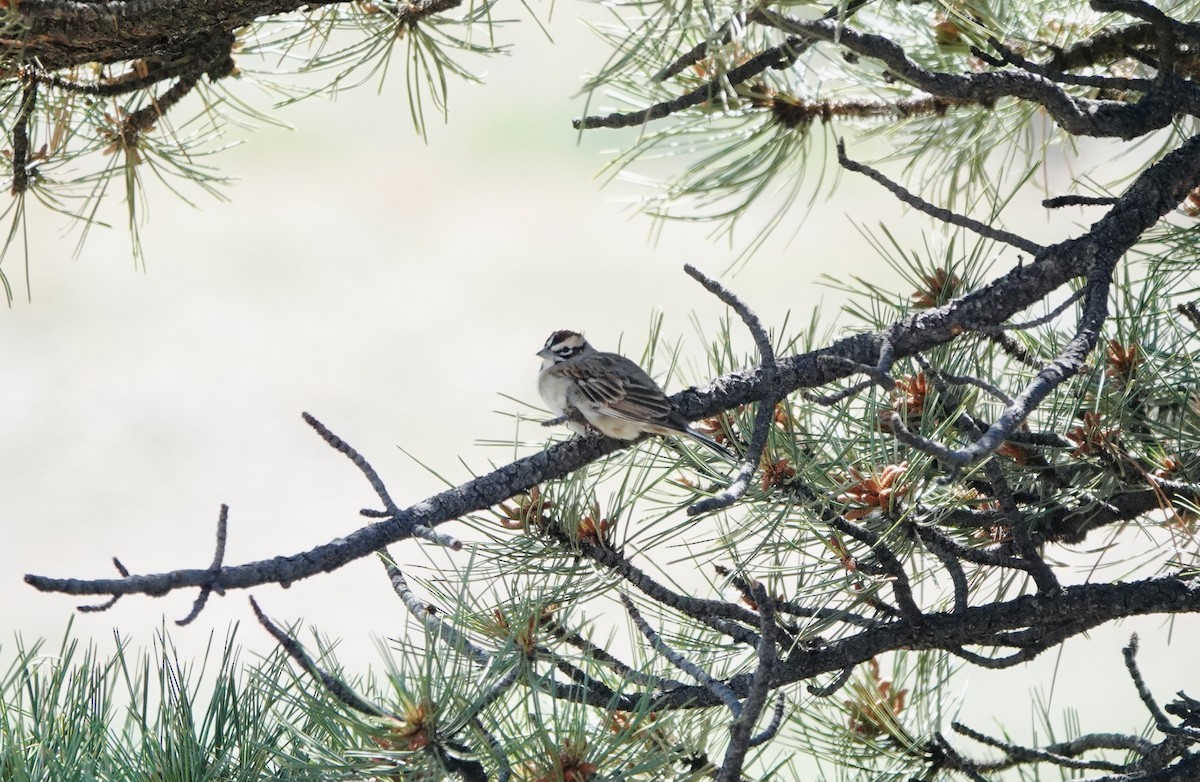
<point x="904" y="500"/>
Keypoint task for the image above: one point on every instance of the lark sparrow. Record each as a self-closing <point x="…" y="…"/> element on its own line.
<point x="607" y="392"/>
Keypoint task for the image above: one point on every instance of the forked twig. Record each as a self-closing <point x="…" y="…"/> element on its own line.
<point x="1069" y="361"/>
<point x="766" y="407"/>
<point x="1160" y="719"/>
<point x="888" y="561"/>
<point x="214" y="568"/>
<point x="391" y="510"/>
<point x="740" y="737"/>
<point x="838" y="683"/>
<point x="107" y="604"/>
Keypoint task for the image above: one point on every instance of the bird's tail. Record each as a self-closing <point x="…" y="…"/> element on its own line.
<point x="712" y="445"/>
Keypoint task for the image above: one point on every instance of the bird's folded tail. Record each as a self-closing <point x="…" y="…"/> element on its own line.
<point x="712" y="444"/>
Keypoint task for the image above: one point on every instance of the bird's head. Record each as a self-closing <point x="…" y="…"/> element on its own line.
<point x="563" y="345"/>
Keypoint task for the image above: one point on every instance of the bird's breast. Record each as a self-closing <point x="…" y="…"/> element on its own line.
<point x="553" y="389"/>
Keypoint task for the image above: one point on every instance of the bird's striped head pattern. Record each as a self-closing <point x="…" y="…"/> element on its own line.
<point x="563" y="345"/>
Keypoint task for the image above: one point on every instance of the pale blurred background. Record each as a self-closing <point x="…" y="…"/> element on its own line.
<point x="397" y="289"/>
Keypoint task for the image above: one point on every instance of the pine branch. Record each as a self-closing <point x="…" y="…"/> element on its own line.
<point x="1156" y="191"/>
<point x="1077" y="116"/>
<point x="1083" y="607"/>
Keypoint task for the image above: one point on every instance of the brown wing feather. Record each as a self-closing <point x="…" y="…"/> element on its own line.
<point x="622" y="389"/>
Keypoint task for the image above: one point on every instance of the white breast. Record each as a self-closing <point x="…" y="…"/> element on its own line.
<point x="553" y="388"/>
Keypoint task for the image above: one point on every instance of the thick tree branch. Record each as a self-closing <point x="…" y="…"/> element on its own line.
<point x="1083" y="607"/>
<point x="65" y="33"/>
<point x="1077" y="116"/>
<point x="1052" y="618"/>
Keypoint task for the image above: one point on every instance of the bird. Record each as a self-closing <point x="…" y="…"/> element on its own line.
<point x="609" y="393"/>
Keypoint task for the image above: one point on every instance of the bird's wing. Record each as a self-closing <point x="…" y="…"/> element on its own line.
<point x="620" y="388"/>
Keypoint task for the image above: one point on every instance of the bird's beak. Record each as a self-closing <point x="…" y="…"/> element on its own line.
<point x="543" y="353"/>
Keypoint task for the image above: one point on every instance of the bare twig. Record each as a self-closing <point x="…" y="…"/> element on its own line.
<point x="715" y="686"/>
<point x="214" y="568"/>
<point x="956" y="761"/>
<point x="1078" y="200"/>
<point x="721" y="616"/>
<point x="1009" y="57"/>
<point x="934" y="542"/>
<point x="440" y="538"/>
<point x="780" y="56"/>
<point x="137" y="78"/>
<point x="601" y="655"/>
<point x="764" y="418"/>
<point x="877" y="372"/>
<point x="724" y="36"/>
<point x="497" y="751"/>
<point x="345" y="449"/>
<point x="1190" y="311"/>
<point x="1011" y="347"/>
<point x="692" y="56"/>
<point x="887" y="559"/>
<point x="390" y="509"/>
<point x="335" y="686"/>
<point x="427" y="616"/>
<point x="961" y="380"/>
<point x="20" y="138"/>
<point x="740" y="732"/>
<point x="772" y="728"/>
<point x="107" y="604"/>
<point x="795" y="609"/>
<point x="1160" y="719"/>
<point x="988" y="557"/>
<point x="1041" y="572"/>
<point x="1017" y="754"/>
<point x="838" y="683"/>
<point x="585" y="682"/>
<point x="937" y="212"/>
<point x="1051" y="315"/>
<point x="828" y="400"/>
<point x="997" y="663"/>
